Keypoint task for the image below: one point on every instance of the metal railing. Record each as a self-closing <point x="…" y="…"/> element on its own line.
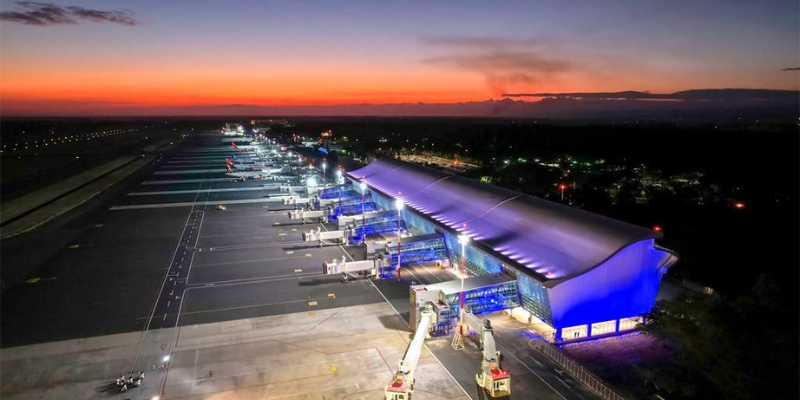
<point x="578" y="371"/>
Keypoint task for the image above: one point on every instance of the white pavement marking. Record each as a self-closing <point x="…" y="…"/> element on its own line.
<point x="239" y="189"/>
<point x="191" y="171"/>
<point x="565" y="383"/>
<point x="233" y="282"/>
<point x="506" y="351"/>
<point x="401" y="319"/>
<point x="246" y="246"/>
<point x="192" y="204"/>
<point x="246" y="261"/>
<point x="136" y="357"/>
<point x="183" y="313"/>
<point x="169" y="181"/>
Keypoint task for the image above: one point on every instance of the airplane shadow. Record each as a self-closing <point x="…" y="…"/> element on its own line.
<point x="321" y="281"/>
<point x="394" y="322"/>
<point x="109" y="389"/>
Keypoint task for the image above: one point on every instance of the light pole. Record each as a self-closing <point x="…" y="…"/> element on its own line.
<point x="339" y="185"/>
<point x="363" y="187"/>
<point x="463" y="240"/>
<point x="458" y="338"/>
<point x="562" y="187"/>
<point x="399" y="204"/>
<point x="324" y="167"/>
<point x="311" y="183"/>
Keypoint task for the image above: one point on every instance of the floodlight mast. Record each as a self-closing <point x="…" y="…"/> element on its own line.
<point x="458" y="338"/>
<point x="399" y="204"/>
<point x="339" y="183"/>
<point x="311" y="183"/>
<point x="363" y="187"/>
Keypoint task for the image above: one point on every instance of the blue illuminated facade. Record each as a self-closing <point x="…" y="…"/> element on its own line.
<point x="573" y="270"/>
<point x="486" y="299"/>
<point x="352" y="209"/>
<point x="624" y="286"/>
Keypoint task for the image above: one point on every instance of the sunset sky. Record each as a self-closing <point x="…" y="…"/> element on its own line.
<point x="83" y="56"/>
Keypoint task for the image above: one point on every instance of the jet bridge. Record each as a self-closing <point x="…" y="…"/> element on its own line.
<point x="334" y="192"/>
<point x="373" y="224"/>
<point x="291" y="188"/>
<point x="365" y="267"/>
<point x="356" y="220"/>
<point x="344" y="201"/>
<point x="417" y="249"/>
<point x="326" y="237"/>
<point x="308" y="216"/>
<point x="485" y="293"/>
<point x="300" y="201"/>
<point x="353" y="209"/>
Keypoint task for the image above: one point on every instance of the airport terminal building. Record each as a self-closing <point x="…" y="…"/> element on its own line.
<point x="580" y="274"/>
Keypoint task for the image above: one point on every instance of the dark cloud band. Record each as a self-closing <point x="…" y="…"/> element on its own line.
<point x="46" y="14"/>
<point x="503" y="61"/>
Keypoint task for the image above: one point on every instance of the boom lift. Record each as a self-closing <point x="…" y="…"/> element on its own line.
<point x="402" y="385"/>
<point x="492" y="380"/>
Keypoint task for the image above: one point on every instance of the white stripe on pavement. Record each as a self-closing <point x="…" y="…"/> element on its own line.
<point x="241" y="189"/>
<point x="191" y="171"/>
<point x="192" y="203"/>
<point x="169" y="181"/>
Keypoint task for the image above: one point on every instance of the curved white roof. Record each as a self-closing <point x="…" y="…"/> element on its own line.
<point x="554" y="242"/>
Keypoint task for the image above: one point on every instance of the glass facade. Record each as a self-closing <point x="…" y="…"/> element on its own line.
<point x="478" y="262"/>
<point x="534" y="298"/>
<point x="486" y="299"/>
<point x="531" y="293"/>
